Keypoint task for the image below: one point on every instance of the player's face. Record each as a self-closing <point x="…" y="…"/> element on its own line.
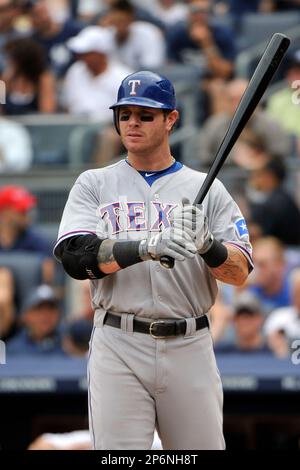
<point x="268" y="266"/>
<point x="145" y="129"/>
<point x="41" y="320"/>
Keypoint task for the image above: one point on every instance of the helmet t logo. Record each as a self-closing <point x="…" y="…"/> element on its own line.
<point x="133" y="84"/>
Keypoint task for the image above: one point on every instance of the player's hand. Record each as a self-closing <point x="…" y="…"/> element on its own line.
<point x="173" y="242"/>
<point x="192" y="220"/>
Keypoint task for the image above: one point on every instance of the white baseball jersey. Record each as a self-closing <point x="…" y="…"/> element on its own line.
<point x="117" y="202"/>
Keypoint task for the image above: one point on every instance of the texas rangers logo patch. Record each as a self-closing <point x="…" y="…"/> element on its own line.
<point x="241" y="227"/>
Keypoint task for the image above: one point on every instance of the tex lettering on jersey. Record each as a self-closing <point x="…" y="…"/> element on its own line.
<point x="133" y="216"/>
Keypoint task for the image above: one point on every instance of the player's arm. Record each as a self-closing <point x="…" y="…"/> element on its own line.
<point x="235" y="269"/>
<point x="89" y="257"/>
<point x="226" y="261"/>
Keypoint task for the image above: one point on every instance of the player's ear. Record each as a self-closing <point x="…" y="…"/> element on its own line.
<point x="172" y="118"/>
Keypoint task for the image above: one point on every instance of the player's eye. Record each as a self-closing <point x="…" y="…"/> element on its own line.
<point x="146" y="117"/>
<point x="124" y="117"/>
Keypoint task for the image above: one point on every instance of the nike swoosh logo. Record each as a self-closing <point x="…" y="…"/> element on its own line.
<point x="149" y="174"/>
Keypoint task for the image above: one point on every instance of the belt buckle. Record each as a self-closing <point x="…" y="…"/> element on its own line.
<point x="151" y="329"/>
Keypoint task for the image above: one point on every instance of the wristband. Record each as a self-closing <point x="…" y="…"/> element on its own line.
<point x="216" y="254"/>
<point x="126" y="253"/>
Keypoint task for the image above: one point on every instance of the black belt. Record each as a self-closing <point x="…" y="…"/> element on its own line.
<point x="157" y="328"/>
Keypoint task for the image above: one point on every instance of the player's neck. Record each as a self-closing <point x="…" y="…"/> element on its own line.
<point x="150" y="163"/>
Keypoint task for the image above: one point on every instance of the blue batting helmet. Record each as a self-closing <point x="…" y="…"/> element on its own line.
<point x="147" y="89"/>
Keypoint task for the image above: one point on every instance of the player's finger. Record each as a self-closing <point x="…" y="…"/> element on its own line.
<point x="178" y="256"/>
<point x="181" y="236"/>
<point x="173" y="254"/>
<point x="187" y="230"/>
<point x="187" y="250"/>
<point x="183" y="223"/>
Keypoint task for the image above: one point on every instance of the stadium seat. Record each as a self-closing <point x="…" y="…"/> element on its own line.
<point x="225" y="21"/>
<point x="50" y="142"/>
<point x="82" y="143"/>
<point x="50" y="204"/>
<point x="49" y="231"/>
<point x="256" y="28"/>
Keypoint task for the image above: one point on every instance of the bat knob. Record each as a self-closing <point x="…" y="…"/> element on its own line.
<point x="167" y="262"/>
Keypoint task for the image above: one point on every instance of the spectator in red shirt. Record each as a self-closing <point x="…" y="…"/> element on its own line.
<point x="16" y="232"/>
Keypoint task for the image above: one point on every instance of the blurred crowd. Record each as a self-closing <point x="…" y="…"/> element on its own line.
<point x="67" y="58"/>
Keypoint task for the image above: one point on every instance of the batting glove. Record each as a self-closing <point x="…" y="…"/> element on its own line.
<point x="192" y="220"/>
<point x="173" y="242"/>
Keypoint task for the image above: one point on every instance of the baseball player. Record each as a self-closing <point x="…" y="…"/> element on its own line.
<point x="151" y="362"/>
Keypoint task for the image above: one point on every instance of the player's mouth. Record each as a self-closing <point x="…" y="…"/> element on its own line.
<point x="134" y="135"/>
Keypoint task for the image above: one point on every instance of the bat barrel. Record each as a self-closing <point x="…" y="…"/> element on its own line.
<point x="262" y="76"/>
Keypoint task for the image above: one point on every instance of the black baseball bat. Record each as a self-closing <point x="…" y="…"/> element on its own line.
<point x="261" y="78"/>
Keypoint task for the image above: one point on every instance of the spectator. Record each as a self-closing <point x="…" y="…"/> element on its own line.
<point x="15" y="147"/>
<point x="140" y="45"/>
<point x="16" y="232"/>
<point x="283" y="324"/>
<point x="270" y="205"/>
<point x="283" y="105"/>
<point x="250" y="151"/>
<point x="199" y="38"/>
<point x="76" y="337"/>
<point x="91" y="85"/>
<point x="81" y="300"/>
<point x="9" y="11"/>
<point x="40" y="319"/>
<point x="91" y="10"/>
<point x="30" y="87"/>
<point x="8" y="321"/>
<point x="247" y="322"/>
<point x="220" y="316"/>
<point x="60" y="10"/>
<point x="52" y="36"/>
<point x="261" y="127"/>
<point x="170" y="12"/>
<point x="238" y="8"/>
<point x="87" y="9"/>
<point x="270" y="280"/>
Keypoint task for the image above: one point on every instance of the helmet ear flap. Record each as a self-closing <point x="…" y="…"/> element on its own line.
<point x="116" y="119"/>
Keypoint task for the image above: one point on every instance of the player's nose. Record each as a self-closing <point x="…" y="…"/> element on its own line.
<point x="134" y="120"/>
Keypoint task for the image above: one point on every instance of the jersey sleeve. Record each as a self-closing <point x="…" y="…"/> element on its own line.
<point x="226" y="222"/>
<point x="80" y="215"/>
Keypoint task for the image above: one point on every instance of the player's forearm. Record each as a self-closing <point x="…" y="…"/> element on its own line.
<point x="234" y="270"/>
<point x="107" y="263"/>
